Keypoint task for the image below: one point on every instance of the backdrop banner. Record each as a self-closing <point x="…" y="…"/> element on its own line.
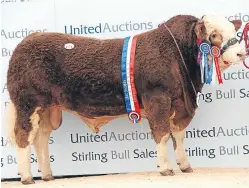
<point x="218" y="136"/>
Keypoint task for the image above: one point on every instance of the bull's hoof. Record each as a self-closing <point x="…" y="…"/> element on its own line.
<point x="48" y="178"/>
<point x="167" y="173"/>
<point x="28" y="181"/>
<point x="187" y="170"/>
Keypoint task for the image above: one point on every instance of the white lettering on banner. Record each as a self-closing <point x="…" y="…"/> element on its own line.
<point x="19" y="34"/>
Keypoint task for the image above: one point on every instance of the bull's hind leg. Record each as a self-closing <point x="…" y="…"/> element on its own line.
<point x="25" y="131"/>
<point x="178" y="143"/>
<point x="41" y="144"/>
<point x="157" y="109"/>
<point x="24" y="167"/>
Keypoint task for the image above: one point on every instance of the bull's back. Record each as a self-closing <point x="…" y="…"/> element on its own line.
<point x="88" y="73"/>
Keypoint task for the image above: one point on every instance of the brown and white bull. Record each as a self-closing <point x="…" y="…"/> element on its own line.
<point x="45" y="78"/>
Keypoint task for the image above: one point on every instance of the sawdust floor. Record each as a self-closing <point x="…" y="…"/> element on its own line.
<point x="201" y="178"/>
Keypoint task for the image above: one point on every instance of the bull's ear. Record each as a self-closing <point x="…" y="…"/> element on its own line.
<point x="237" y="24"/>
<point x="200" y="30"/>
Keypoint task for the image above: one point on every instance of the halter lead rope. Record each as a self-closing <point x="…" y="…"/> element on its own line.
<point x="181" y="58"/>
<point x="245" y="34"/>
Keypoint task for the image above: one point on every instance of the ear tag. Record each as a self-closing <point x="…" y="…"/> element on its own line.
<point x="69" y="46"/>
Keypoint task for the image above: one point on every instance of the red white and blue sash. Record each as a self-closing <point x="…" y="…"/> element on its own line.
<point x="127" y="71"/>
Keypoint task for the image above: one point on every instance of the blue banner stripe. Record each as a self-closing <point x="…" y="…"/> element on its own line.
<point x="124" y="75"/>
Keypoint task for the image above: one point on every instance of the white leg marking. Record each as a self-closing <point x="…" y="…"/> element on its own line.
<point x="34" y="120"/>
<point x="23" y="162"/>
<point x="23" y="154"/>
<point x="42" y="153"/>
<point x="181" y="156"/>
<point x="41" y="144"/>
<point x="11" y="116"/>
<point x="162" y="156"/>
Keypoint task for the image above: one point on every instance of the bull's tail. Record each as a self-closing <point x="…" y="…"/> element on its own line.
<point x="11" y="117"/>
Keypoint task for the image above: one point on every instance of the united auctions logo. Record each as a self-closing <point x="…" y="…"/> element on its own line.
<point x="14" y="1"/>
<point x="107" y="28"/>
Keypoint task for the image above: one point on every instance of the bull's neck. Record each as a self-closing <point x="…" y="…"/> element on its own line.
<point x="187" y="42"/>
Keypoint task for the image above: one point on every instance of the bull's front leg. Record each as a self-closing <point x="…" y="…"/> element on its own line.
<point x="157" y="108"/>
<point x="178" y="129"/>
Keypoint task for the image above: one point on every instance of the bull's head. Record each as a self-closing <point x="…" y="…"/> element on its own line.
<point x="221" y="33"/>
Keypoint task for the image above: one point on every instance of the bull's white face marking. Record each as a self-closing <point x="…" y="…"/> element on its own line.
<point x="162" y="155"/>
<point x="234" y="53"/>
<point x="69" y="46"/>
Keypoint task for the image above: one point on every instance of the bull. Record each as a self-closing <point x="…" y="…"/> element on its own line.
<point x="44" y="78"/>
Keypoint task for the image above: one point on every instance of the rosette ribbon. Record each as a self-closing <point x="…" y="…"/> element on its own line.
<point x="204" y="49"/>
<point x="215" y="53"/>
